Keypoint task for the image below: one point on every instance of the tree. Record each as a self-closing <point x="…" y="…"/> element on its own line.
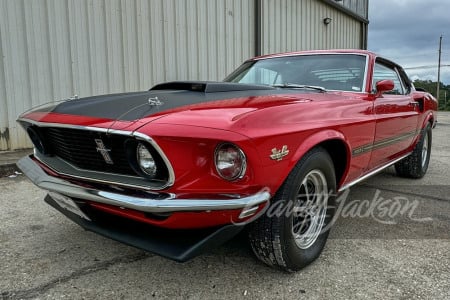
<point x="430" y="86"/>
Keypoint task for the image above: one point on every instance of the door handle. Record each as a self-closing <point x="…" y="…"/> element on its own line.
<point x="414" y="104"/>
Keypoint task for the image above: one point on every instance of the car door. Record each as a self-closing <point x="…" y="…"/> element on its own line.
<point x="396" y="116"/>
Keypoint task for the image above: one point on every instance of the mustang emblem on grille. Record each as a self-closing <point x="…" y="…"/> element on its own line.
<point x="279" y="154"/>
<point x="104" y="151"/>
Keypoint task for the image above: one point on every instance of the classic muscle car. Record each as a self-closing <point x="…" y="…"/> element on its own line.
<point x="186" y="166"/>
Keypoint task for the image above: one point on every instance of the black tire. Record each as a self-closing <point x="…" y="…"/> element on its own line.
<point x="416" y="164"/>
<point x="274" y="239"/>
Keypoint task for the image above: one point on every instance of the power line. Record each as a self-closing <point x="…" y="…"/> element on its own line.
<point x="425" y="67"/>
<point x="413" y="55"/>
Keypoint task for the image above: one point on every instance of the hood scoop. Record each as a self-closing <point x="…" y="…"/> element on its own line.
<point x="208" y="86"/>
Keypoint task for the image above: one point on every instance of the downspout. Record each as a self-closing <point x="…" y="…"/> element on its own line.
<point x="258" y="27"/>
<point x="365" y="26"/>
<point x="364" y="37"/>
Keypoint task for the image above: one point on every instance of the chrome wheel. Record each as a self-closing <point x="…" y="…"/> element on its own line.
<point x="425" y="150"/>
<point x="294" y="233"/>
<point x="310" y="209"/>
<point x="416" y="164"/>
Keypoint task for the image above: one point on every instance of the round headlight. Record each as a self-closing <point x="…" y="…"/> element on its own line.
<point x="145" y="160"/>
<point x="230" y="162"/>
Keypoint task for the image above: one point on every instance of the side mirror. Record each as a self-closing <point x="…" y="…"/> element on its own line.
<point x="383" y="86"/>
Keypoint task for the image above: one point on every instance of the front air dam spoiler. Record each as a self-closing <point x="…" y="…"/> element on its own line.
<point x="178" y="245"/>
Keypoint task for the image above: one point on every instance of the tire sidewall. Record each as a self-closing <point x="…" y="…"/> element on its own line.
<point x="412" y="166"/>
<point x="293" y="254"/>
<point x="426" y="131"/>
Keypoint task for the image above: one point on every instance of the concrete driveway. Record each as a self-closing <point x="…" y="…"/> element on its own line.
<point x="396" y="249"/>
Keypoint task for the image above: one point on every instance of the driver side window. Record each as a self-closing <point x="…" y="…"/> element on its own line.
<point x="382" y="72"/>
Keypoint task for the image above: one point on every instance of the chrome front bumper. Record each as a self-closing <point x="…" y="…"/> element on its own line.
<point x="171" y="204"/>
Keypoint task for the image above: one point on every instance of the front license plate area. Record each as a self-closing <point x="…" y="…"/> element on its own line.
<point x="68" y="204"/>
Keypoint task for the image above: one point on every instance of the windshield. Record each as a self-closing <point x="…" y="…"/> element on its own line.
<point x="343" y="72"/>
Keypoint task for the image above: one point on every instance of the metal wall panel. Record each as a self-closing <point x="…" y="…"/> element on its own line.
<point x="53" y="49"/>
<point x="361" y="7"/>
<point x="293" y="25"/>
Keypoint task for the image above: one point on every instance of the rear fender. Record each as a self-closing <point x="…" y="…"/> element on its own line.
<point x="428" y="105"/>
<point x="430" y="118"/>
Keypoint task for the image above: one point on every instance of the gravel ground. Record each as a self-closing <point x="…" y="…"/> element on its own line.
<point x="44" y="255"/>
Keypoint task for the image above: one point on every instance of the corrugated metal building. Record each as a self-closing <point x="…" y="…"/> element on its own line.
<point x="53" y="49"/>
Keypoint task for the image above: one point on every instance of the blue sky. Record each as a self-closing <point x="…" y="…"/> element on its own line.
<point x="407" y="32"/>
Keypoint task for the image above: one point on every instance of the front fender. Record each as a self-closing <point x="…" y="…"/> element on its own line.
<point x="315" y="140"/>
<point x="322" y="138"/>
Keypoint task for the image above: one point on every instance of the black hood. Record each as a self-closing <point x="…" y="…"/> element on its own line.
<point x="133" y="106"/>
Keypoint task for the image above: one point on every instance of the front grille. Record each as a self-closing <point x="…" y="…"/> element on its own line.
<point x="79" y="148"/>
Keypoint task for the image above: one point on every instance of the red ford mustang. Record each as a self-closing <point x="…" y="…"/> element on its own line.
<point x="187" y="165"/>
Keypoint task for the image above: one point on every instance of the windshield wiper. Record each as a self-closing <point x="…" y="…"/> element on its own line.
<point x="288" y="85"/>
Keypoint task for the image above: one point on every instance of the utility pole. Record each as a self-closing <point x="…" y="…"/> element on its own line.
<point x="439" y="69"/>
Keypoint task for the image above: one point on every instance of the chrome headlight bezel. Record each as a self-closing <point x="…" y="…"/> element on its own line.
<point x="239" y="158"/>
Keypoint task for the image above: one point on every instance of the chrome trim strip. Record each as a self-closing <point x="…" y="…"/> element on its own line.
<point x="383" y="143"/>
<point x="371" y="173"/>
<point x="366" y="71"/>
<point x="171" y="204"/>
<point x="71" y="126"/>
<point x="92" y="174"/>
<point x="300" y="53"/>
<point x="137" y="135"/>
